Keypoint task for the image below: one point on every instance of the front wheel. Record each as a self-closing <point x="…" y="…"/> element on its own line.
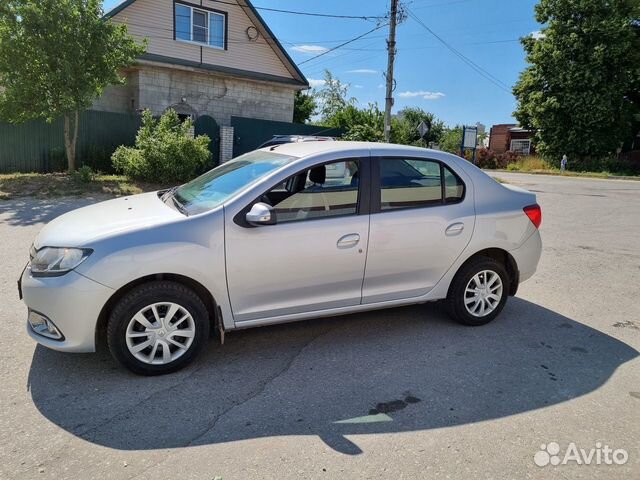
<point x="158" y="328"/>
<point x="478" y="292"/>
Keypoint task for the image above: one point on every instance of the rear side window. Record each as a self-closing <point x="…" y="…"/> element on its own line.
<point x="453" y="186"/>
<point x="416" y="183"/>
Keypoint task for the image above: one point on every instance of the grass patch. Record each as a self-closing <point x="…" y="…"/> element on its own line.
<point x="52" y="185"/>
<point x="537" y="165"/>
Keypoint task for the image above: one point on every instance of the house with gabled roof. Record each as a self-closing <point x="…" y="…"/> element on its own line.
<point x="204" y="58"/>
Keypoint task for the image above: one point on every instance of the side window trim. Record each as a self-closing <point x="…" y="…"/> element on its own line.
<point x="363" y="207"/>
<point x="376" y="184"/>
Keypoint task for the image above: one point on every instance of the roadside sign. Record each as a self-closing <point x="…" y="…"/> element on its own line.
<point x="470" y="139"/>
<point x="423" y="129"/>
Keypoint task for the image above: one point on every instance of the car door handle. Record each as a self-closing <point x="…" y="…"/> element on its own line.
<point x="349" y="241"/>
<point x="454" y="229"/>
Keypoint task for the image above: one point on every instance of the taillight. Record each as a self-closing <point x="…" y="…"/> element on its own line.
<point x="534" y="212"/>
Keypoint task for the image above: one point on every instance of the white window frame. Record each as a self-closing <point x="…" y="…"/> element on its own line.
<point x="208" y="14"/>
<point x="523" y="150"/>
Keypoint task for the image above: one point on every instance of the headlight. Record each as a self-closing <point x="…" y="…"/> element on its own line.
<point x="54" y="261"/>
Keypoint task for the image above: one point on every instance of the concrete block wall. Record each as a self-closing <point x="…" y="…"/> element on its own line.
<point x="197" y="93"/>
<point x="226" y="143"/>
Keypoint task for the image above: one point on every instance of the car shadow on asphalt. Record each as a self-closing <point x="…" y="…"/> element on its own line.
<point x="396" y="370"/>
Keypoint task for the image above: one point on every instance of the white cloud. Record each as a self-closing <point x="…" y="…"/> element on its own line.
<point x="309" y="49"/>
<point x="358" y="86"/>
<point x="381" y="86"/>
<point x="424" y="94"/>
<point x="537" y="35"/>
<point x="314" y="82"/>
<point x="364" y="71"/>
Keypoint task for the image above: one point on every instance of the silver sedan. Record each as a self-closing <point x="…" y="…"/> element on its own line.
<point x="284" y="233"/>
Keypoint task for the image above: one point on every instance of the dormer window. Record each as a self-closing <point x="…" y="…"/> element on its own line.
<point x="200" y="26"/>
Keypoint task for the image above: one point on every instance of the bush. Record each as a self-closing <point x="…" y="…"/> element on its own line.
<point x="165" y="151"/>
<point x="486" y="158"/>
<point x="513" y="167"/>
<point x="505" y="159"/>
<point x="84" y="174"/>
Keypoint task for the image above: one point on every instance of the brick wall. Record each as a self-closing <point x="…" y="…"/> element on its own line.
<point x="192" y="92"/>
<point x="499" y="138"/>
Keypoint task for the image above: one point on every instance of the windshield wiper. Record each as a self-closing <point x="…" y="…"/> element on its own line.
<point x="181" y="208"/>
<point x="168" y="193"/>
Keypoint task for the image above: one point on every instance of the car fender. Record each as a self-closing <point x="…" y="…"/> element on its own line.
<point x="195" y="251"/>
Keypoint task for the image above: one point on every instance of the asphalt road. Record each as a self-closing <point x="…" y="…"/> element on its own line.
<point x="402" y="393"/>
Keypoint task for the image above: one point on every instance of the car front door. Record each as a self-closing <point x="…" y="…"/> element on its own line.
<point x="421" y="221"/>
<point x="313" y="258"/>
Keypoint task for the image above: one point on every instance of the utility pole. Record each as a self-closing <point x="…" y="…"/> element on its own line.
<point x="391" y="47"/>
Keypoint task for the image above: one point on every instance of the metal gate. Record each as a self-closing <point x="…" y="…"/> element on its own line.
<point x="250" y="133"/>
<point x="206" y="125"/>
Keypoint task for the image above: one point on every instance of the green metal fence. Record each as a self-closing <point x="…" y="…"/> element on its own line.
<point x="38" y="146"/>
<point x="251" y="133"/>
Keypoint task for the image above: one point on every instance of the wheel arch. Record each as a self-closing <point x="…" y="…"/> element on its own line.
<point x="502" y="256"/>
<point x="199" y="289"/>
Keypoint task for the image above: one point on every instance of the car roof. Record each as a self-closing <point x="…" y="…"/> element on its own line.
<point x="305" y="149"/>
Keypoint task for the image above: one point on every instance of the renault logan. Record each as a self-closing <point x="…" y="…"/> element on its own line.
<point x="289" y="232"/>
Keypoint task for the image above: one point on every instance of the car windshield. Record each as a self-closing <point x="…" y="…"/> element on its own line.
<point x="216" y="186"/>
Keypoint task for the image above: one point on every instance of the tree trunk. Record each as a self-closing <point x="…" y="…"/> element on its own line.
<point x="71" y="138"/>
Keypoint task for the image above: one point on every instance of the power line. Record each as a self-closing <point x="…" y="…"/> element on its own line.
<point x="326" y="15"/>
<point x="481" y="71"/>
<point x="378" y="27"/>
<point x="308" y="14"/>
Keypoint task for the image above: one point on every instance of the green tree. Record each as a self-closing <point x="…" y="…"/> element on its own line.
<point x="405" y="127"/>
<point x="56" y="58"/>
<point x="304" y="107"/>
<point x="332" y="97"/>
<point x="363" y="125"/>
<point x="451" y="140"/>
<point x="579" y="91"/>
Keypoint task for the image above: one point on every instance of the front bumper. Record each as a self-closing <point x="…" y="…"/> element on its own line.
<point x="72" y="302"/>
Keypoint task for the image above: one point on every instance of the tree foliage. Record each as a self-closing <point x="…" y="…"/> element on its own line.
<point x="333" y="97"/>
<point x="165" y="151"/>
<point x="304" y="107"/>
<point x="404" y="127"/>
<point x="337" y="110"/>
<point x="56" y="58"/>
<point x="580" y="90"/>
<point x="363" y="125"/>
<point x="451" y="140"/>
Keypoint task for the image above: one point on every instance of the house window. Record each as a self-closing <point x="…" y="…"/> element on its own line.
<point x="200" y="26"/>
<point x="522" y="147"/>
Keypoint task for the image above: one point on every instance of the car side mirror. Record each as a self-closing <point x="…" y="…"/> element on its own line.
<point x="261" y="214"/>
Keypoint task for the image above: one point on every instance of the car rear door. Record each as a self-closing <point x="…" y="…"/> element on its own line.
<point x="421" y="220"/>
<point x="313" y="258"/>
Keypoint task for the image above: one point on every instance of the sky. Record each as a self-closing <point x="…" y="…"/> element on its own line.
<point x="428" y="75"/>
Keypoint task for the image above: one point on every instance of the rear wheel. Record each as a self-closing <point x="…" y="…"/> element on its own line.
<point x="158" y="328"/>
<point x="478" y="292"/>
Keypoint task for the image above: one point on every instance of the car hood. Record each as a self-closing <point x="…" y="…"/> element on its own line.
<point x="81" y="227"/>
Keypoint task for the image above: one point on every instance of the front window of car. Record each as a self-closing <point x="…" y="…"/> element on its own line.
<point x="218" y="185"/>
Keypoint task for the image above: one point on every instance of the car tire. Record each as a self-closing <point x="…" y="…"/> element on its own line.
<point x="158" y="328"/>
<point x="472" y="294"/>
